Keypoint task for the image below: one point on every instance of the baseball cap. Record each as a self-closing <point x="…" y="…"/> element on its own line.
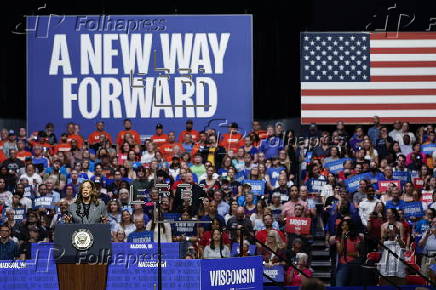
<point x="159" y="126"/>
<point x="11" y="132"/>
<point x="189" y="122"/>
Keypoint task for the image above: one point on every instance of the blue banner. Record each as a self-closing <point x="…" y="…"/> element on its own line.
<point x="232" y="273"/>
<point x="352" y="183"/>
<point x="315" y="185"/>
<point x="148" y="68"/>
<point x="428" y="149"/>
<point x="404" y="176"/>
<point x="177" y="274"/>
<point x="276" y="273"/>
<point x="336" y="166"/>
<point x="257" y="186"/>
<point x="43" y="202"/>
<point x="413" y="209"/>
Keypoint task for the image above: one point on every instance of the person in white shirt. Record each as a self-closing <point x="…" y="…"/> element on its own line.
<point x="31" y="176"/>
<point x="216" y="249"/>
<point x="367" y="206"/>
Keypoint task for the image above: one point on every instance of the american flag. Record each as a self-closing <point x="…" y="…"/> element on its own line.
<point x="354" y="76"/>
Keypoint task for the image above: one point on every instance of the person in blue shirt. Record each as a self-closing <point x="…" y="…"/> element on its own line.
<point x="274" y="172"/>
<point x="140" y="235"/>
<point x="374" y="131"/>
<point x="357" y="138"/>
<point x="396" y="202"/>
<point x="8" y="249"/>
<point x="422" y="226"/>
<point x="272" y="145"/>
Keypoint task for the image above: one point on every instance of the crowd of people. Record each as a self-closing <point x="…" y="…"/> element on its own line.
<point x="269" y="190"/>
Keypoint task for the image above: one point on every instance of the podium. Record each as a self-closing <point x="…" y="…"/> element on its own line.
<point x="82" y="253"/>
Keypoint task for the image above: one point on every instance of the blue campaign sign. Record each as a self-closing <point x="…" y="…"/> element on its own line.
<point x="176" y="275"/>
<point x="336" y="166"/>
<point x="352" y="183"/>
<point x="257" y="186"/>
<point x="315" y="185"/>
<point x="140" y="237"/>
<point x="428" y="149"/>
<point x="404" y="176"/>
<point x="276" y="273"/>
<point x="43" y="202"/>
<point x="148" y="68"/>
<point x="235" y="250"/>
<point x="413" y="209"/>
<point x="232" y="273"/>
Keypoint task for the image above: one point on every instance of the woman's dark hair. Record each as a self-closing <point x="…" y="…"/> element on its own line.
<point x="395" y="213"/>
<point x="93" y="195"/>
<point x="433" y="211"/>
<point x="212" y="244"/>
<point x="351" y="228"/>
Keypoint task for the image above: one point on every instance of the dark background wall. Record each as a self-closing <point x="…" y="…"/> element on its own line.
<point x="277" y="25"/>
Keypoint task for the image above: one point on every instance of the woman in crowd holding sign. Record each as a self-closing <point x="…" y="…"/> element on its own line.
<point x="87" y="209"/>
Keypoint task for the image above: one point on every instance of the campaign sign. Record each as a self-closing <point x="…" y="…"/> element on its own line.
<point x="413" y="209"/>
<point x="383" y="185"/>
<point x="257" y="186"/>
<point x="427" y="196"/>
<point x="336" y="166"/>
<point x="140" y="237"/>
<point x="186" y="229"/>
<point x="276" y="273"/>
<point x="298" y="225"/>
<point x="404" y="176"/>
<point x="418" y="182"/>
<point x="148" y="68"/>
<point x="232" y="273"/>
<point x="19" y="214"/>
<point x="235" y="250"/>
<point x="428" y="149"/>
<point x="352" y="183"/>
<point x="43" y="202"/>
<point x="315" y="185"/>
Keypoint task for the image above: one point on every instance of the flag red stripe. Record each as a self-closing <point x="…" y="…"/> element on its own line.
<point x="368" y="120"/>
<point x="403" y="35"/>
<point x="403" y="63"/>
<point x="403" y="78"/>
<point x="373" y="92"/>
<point x="396" y="50"/>
<point x="347" y="107"/>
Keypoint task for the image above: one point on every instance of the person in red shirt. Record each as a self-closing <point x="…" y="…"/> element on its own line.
<point x="63" y="145"/>
<point x="73" y="134"/>
<point x="167" y="149"/>
<point x="4" y="134"/>
<point x="128" y="130"/>
<point x="159" y="138"/>
<point x="233" y="140"/>
<point x="195" y="134"/>
<point x="94" y="137"/>
<point x="268" y="222"/>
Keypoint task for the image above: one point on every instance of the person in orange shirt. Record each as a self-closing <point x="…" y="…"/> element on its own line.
<point x="167" y="149"/>
<point x="94" y="137"/>
<point x="159" y="138"/>
<point x="233" y="140"/>
<point x="41" y="141"/>
<point x="128" y="129"/>
<point x="63" y="145"/>
<point x="72" y="131"/>
<point x="258" y="132"/>
<point x="22" y="153"/>
<point x="195" y="134"/>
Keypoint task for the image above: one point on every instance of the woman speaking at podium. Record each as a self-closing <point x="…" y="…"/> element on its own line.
<point x="87" y="209"/>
